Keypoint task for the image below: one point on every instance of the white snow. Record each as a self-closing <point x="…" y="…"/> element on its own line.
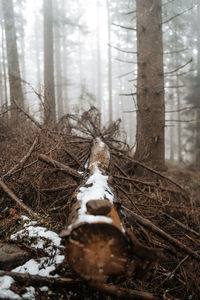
<point x="5" y="292"/>
<point x="44" y="239"/>
<point x="30" y="294"/>
<point x="99" y="189"/>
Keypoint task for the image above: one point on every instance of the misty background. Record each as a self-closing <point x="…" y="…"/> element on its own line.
<point x="95" y="63"/>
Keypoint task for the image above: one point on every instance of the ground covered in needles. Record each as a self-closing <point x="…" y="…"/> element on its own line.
<point x="170" y="201"/>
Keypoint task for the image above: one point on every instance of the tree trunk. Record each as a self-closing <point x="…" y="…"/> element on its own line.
<point x="197" y="112"/>
<point x="109" y="65"/>
<point x="150" y="85"/>
<point x="49" y="89"/>
<point x="96" y="246"/>
<point x="12" y="58"/>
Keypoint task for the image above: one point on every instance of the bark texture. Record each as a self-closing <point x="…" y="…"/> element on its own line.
<point x="96" y="246"/>
<point x="49" y="88"/>
<point x="12" y="58"/>
<point x="150" y="85"/>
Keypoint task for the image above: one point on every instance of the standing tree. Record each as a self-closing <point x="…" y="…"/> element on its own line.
<point x="12" y="58"/>
<point x="150" y="146"/>
<point x="49" y="89"/>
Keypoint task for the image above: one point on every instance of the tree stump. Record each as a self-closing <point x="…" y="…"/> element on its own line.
<point x="96" y="246"/>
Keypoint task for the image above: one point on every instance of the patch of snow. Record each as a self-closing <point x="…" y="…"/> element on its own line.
<point x="98" y="190"/>
<point x="5" y="292"/>
<point x="93" y="219"/>
<point x="30" y="294"/>
<point x="44" y="288"/>
<point x="44" y="239"/>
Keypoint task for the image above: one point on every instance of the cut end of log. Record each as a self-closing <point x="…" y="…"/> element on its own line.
<point x="94" y="255"/>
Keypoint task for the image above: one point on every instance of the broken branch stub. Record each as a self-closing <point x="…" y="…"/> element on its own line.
<point x="96" y="246"/>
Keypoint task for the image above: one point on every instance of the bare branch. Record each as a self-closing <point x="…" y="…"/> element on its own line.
<point x="180" y="67"/>
<point x="129" y="12"/>
<point x="131" y="94"/>
<point x="23" y="160"/>
<point x="29" y="116"/>
<point x="121" y="50"/>
<point x="174" y="86"/>
<point x="18" y="201"/>
<point x="182" y="109"/>
<point x="126" y="74"/>
<point x="124" y="27"/>
<point x="181" y="121"/>
<point x="183" y="12"/>
<point x="129" y="214"/>
<point x="60" y="166"/>
<point x="126" y="61"/>
<point x="175" y="51"/>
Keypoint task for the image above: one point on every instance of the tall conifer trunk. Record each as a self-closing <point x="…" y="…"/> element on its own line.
<point x="12" y="58"/>
<point x="150" y="146"/>
<point x="49" y="88"/>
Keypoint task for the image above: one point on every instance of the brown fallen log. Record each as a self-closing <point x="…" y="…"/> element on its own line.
<point x="96" y="245"/>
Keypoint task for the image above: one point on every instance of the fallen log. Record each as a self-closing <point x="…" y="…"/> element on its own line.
<point x="96" y="245"/>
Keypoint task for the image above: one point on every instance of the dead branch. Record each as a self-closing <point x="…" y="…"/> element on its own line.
<point x="148" y="224"/>
<point x="18" y="201"/>
<point x="71" y="284"/>
<point x="124" y="27"/>
<point x="23" y="167"/>
<point x="68" y="283"/>
<point x="126" y="61"/>
<point x="23" y="160"/>
<point x="181" y="13"/>
<point x="183" y="109"/>
<point x="129" y="12"/>
<point x="59" y="188"/>
<point x="178" y="68"/>
<point x="121" y="50"/>
<point x="113" y="290"/>
<point x="28" y="115"/>
<point x="182" y="225"/>
<point x="156" y="172"/>
<point x="175" y="51"/>
<point x="131" y="94"/>
<point x="61" y="167"/>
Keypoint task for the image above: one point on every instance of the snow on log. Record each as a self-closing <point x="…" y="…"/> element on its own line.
<point x="96" y="246"/>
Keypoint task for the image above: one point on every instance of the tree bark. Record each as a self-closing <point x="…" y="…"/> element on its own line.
<point x="49" y="88"/>
<point x="96" y="246"/>
<point x="12" y="58"/>
<point x="150" y="85"/>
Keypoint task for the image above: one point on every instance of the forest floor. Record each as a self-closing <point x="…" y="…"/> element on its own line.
<point x="170" y="201"/>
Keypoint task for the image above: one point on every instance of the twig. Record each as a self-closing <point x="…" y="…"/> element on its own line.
<point x="180" y="67"/>
<point x="124" y="27"/>
<point x="181" y="13"/>
<point x="18" y="201"/>
<point x="148" y="224"/>
<point x="121" y="292"/>
<point x="24" y="167"/>
<point x="59" y="188"/>
<point x="42" y="280"/>
<point x="60" y="166"/>
<point x="23" y="160"/>
<point x="182" y="225"/>
<point x="29" y="116"/>
<point x="121" y="50"/>
<point x="156" y="172"/>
